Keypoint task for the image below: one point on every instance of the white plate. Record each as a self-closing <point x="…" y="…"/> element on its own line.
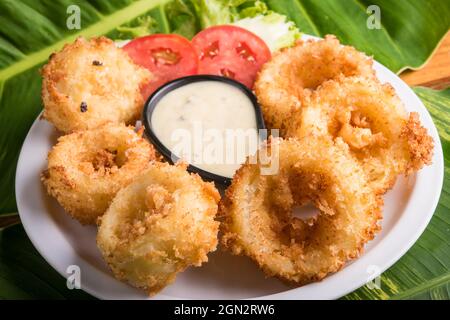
<point x="64" y="242"/>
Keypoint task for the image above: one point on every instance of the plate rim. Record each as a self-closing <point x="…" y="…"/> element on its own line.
<point x="315" y="287"/>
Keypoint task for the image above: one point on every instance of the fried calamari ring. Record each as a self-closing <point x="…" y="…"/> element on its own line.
<point x="258" y="210"/>
<point x="90" y="83"/>
<point x="285" y="83"/>
<point x="87" y="168"/>
<point x="158" y="226"/>
<point x="371" y="119"/>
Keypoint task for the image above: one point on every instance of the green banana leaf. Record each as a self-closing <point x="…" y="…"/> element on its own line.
<point x="24" y="274"/>
<point x="410" y="29"/>
<point x="30" y="30"/>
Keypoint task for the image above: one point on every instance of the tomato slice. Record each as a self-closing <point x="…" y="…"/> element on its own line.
<point x="232" y="52"/>
<point x="167" y="56"/>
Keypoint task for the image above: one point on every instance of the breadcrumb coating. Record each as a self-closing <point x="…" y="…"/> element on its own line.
<point x="369" y="117"/>
<point x="158" y="226"/>
<point x="258" y="218"/>
<point x="286" y="82"/>
<point x="92" y="82"/>
<point x="87" y="168"/>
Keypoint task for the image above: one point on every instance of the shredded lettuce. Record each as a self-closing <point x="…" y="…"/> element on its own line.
<point x="252" y="15"/>
<point x="183" y="17"/>
<point x="187" y="17"/>
<point x="214" y="12"/>
<point x="141" y="27"/>
<point x="273" y="28"/>
<point x="250" y="9"/>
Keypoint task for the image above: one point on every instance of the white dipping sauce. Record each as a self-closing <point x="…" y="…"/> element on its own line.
<point x="210" y="124"/>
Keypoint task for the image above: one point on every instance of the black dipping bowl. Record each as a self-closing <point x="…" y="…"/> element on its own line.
<point x="153" y="100"/>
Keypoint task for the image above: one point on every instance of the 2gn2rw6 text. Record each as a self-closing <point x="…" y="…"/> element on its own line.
<point x="246" y="309"/>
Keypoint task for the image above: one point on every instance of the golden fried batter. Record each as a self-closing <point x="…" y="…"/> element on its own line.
<point x="258" y="210"/>
<point x="87" y="168"/>
<point x="158" y="226"/>
<point x="371" y="119"/>
<point x="285" y="83"/>
<point x="90" y="83"/>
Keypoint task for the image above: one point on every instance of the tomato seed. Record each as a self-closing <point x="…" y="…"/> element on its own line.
<point x="165" y="56"/>
<point x="211" y="51"/>
<point x="244" y="51"/>
<point x="227" y="73"/>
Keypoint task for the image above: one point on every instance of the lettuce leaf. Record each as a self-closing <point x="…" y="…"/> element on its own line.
<point x="143" y="26"/>
<point x="191" y="16"/>
<point x="187" y="17"/>
<point x="183" y="18"/>
<point x="273" y="28"/>
<point x="215" y="12"/>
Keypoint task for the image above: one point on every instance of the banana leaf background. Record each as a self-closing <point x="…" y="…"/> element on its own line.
<point x="30" y="30"/>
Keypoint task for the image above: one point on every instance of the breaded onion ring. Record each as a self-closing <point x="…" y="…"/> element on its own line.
<point x="158" y="226"/>
<point x="90" y="83"/>
<point x="285" y="83"/>
<point x="258" y="210"/>
<point x="87" y="168"/>
<point x="371" y="119"/>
